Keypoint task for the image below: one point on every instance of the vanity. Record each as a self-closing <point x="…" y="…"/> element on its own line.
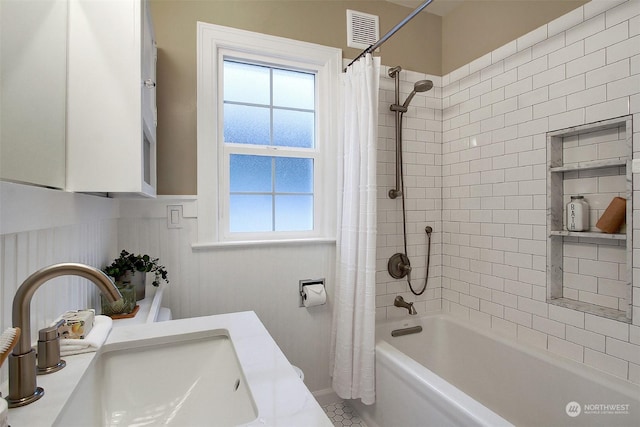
<point x="222" y="370"/>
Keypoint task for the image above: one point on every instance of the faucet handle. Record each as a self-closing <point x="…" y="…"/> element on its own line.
<point x="49" y="350"/>
<point x="50" y="333"/>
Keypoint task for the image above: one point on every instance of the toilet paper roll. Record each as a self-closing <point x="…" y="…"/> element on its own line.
<point x="313" y="295"/>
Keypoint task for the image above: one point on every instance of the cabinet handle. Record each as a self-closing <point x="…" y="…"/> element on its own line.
<point x="150" y="83"/>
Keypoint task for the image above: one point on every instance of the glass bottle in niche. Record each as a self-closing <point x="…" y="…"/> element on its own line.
<point x="577" y="214"/>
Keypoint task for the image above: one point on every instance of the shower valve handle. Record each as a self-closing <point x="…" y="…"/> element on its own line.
<point x="399" y="266"/>
<point x="405" y="267"/>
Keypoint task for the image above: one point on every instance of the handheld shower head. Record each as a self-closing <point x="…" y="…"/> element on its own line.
<point x="419" y="86"/>
<point x="423" y="85"/>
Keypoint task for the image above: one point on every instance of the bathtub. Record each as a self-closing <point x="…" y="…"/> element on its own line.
<point x="453" y="374"/>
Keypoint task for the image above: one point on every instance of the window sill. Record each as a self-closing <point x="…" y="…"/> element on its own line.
<point x="254" y="243"/>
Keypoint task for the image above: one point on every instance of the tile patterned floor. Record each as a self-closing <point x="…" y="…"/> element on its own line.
<point x="342" y="415"/>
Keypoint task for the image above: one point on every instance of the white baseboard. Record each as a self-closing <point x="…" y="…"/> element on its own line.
<point x="326" y="397"/>
<point x="364" y="412"/>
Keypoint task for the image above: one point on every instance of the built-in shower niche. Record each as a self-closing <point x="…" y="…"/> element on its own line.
<point x="590" y="271"/>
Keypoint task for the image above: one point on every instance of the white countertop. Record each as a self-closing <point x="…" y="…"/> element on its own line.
<point x="281" y="397"/>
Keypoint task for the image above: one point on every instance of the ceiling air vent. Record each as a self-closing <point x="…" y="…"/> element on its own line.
<point x="362" y="29"/>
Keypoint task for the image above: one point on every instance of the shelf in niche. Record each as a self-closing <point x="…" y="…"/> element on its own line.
<point x="594" y="164"/>
<point x="589" y="234"/>
<point x="596" y="310"/>
<point x="590" y="127"/>
<point x="564" y="154"/>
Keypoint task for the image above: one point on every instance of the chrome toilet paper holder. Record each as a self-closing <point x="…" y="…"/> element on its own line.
<point x="307" y="282"/>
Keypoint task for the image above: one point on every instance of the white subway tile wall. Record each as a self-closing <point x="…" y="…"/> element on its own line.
<point x="422" y="142"/>
<point x="582" y="67"/>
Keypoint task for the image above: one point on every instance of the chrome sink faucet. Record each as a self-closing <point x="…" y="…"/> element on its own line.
<point x="400" y="302"/>
<point x="23" y="389"/>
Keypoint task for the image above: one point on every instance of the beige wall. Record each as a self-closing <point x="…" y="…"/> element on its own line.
<point x="416" y="47"/>
<point x="428" y="44"/>
<point x="478" y="27"/>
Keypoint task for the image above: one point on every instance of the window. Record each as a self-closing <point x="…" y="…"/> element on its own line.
<point x="266" y="137"/>
<point x="276" y="109"/>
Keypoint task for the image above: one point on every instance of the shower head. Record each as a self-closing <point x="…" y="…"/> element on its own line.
<point x="419" y="86"/>
<point x="423" y="85"/>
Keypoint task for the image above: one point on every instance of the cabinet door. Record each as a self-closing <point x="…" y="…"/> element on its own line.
<point x="111" y="125"/>
<point x="149" y="59"/>
<point x="33" y="75"/>
<point x="149" y="111"/>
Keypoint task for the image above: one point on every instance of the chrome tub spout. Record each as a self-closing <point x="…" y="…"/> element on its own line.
<point x="400" y="302"/>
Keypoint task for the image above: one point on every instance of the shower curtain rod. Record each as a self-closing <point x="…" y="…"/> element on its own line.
<point x="391" y="32"/>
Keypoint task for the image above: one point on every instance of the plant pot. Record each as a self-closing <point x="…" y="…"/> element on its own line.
<point x="123" y="306"/>
<point x="138" y="280"/>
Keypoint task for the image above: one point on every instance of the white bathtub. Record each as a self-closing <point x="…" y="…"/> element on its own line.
<point x="452" y="374"/>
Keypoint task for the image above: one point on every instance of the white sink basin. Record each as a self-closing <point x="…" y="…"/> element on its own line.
<point x="193" y="380"/>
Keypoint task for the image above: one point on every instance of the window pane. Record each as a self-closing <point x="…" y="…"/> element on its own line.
<point x="294" y="213"/>
<point x="246" y="125"/>
<point x="293" y="89"/>
<point x="246" y="83"/>
<point x="271" y="107"/>
<point x="249" y="213"/>
<point x="294" y="175"/>
<point x="250" y="173"/>
<point x="293" y="128"/>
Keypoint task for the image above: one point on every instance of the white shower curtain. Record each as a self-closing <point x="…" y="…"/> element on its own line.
<point x="353" y="331"/>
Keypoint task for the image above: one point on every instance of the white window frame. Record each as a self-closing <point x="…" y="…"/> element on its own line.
<point x="215" y="43"/>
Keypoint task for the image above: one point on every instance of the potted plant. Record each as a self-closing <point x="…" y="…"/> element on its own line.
<point x="124" y="268"/>
<point x="125" y="305"/>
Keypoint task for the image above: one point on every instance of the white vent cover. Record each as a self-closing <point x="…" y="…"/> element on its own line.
<point x="362" y="29"/>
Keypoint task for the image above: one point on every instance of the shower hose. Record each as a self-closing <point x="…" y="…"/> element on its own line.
<point x="404" y="230"/>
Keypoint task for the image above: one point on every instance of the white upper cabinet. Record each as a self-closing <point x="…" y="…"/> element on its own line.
<point x="33" y="75"/>
<point x="111" y="109"/>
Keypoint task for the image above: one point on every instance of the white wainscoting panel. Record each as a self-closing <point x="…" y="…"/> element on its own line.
<point x="229" y="279"/>
<point x="89" y="240"/>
